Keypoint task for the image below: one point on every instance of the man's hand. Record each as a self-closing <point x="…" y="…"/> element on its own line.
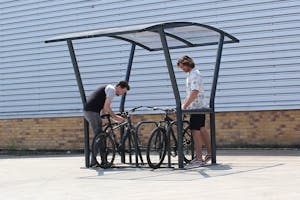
<point x="123" y="120"/>
<point x="119" y="118"/>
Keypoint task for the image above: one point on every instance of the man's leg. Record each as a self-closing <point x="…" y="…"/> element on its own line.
<point x="206" y="139"/>
<point x="197" y="144"/>
<point x="94" y="120"/>
<point x="195" y="129"/>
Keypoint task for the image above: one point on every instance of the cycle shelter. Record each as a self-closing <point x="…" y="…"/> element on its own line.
<point x="159" y="37"/>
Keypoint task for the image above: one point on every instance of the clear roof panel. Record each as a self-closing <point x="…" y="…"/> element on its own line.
<point x="150" y="39"/>
<point x="178" y="34"/>
<point x="177" y="37"/>
<point x="196" y="34"/>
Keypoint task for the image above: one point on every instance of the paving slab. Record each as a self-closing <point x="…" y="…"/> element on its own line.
<point x="239" y="174"/>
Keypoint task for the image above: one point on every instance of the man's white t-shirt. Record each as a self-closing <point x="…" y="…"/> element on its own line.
<point x="110" y="91"/>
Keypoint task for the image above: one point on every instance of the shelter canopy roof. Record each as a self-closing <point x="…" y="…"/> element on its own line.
<point x="147" y="36"/>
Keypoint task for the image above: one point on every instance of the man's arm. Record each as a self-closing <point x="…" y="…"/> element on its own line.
<point x="107" y="110"/>
<point x="193" y="95"/>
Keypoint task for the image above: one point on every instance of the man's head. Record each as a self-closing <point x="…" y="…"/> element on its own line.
<point x="186" y="63"/>
<point x="122" y="87"/>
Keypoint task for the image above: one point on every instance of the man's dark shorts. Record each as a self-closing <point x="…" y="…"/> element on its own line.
<point x="197" y="121"/>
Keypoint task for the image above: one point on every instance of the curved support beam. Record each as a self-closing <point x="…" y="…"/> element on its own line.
<point x="176" y="94"/>
<point x="212" y="100"/>
<point x="83" y="99"/>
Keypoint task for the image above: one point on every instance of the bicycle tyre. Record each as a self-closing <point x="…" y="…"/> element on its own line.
<point x="104" y="156"/>
<point x="157" y="147"/>
<point x="188" y="145"/>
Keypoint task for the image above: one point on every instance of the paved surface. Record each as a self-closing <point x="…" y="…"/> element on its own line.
<point x="240" y="174"/>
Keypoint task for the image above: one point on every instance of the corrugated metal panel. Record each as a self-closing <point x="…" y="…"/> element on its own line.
<point x="259" y="73"/>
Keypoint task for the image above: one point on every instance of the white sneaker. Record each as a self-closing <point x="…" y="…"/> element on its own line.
<point x="193" y="161"/>
<point x="198" y="163"/>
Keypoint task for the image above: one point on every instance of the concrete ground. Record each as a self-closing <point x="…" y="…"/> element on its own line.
<point x="240" y="174"/>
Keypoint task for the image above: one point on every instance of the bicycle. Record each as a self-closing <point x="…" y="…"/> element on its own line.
<point x="163" y="139"/>
<point x="105" y="145"/>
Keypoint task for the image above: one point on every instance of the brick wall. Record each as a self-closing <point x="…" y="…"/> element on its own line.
<point x="242" y="129"/>
<point x="261" y="128"/>
<point x="41" y="133"/>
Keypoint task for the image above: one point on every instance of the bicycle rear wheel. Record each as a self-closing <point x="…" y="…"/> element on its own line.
<point x="187" y="141"/>
<point x="157" y="147"/>
<point x="188" y="145"/>
<point x="103" y="150"/>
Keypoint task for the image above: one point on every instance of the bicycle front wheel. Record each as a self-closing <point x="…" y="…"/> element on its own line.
<point x="103" y="150"/>
<point x="157" y="147"/>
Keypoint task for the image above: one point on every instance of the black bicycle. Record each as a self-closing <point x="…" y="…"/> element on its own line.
<point x="105" y="144"/>
<point x="163" y="140"/>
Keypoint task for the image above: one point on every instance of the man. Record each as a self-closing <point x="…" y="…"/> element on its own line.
<point x="195" y="100"/>
<point x="100" y="102"/>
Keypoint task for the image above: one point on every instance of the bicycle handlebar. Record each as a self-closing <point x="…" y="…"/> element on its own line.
<point x="162" y="109"/>
<point x="166" y="110"/>
<point x="135" y="108"/>
<point x="124" y="112"/>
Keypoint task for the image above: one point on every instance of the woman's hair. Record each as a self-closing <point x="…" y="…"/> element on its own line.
<point x="124" y="84"/>
<point x="186" y="60"/>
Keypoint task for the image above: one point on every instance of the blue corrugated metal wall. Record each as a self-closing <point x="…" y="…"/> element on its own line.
<point x="260" y="73"/>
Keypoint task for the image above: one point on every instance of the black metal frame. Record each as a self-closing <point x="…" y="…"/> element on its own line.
<point x="159" y="29"/>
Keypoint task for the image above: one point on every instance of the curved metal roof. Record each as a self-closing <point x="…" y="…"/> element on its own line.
<point x="147" y="36"/>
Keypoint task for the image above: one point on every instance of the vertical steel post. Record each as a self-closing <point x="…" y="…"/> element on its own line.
<point x="122" y="104"/>
<point x="176" y="94"/>
<point x="83" y="99"/>
<point x="129" y="66"/>
<point x="212" y="99"/>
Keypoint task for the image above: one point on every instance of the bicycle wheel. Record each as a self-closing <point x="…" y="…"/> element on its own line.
<point x="188" y="145"/>
<point x="172" y="142"/>
<point x="103" y="150"/>
<point x="157" y="147"/>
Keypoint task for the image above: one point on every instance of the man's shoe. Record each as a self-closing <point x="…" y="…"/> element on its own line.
<point x="93" y="165"/>
<point x="198" y="163"/>
<point x="193" y="161"/>
<point x="93" y="162"/>
<point x="105" y="165"/>
<point x="207" y="158"/>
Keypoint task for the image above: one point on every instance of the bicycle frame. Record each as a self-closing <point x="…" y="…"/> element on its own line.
<point x="130" y="129"/>
<point x="168" y="127"/>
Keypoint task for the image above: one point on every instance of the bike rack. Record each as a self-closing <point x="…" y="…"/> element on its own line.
<point x="158" y="37"/>
<point x="138" y="151"/>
